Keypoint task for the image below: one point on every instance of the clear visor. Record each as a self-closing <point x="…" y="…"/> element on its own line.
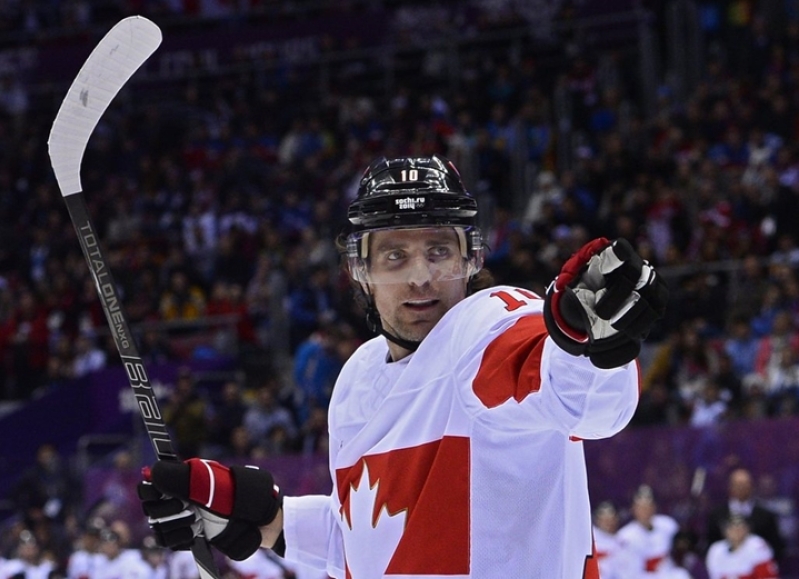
<point x="413" y="255"/>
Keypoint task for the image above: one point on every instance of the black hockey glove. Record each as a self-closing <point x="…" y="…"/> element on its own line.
<point x="202" y="497"/>
<point x="603" y="303"/>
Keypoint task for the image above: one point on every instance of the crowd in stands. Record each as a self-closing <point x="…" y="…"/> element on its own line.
<point x="227" y="199"/>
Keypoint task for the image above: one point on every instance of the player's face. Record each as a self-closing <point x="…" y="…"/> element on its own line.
<point x="411" y="308"/>
<point x="735" y="533"/>
<point x="644" y="510"/>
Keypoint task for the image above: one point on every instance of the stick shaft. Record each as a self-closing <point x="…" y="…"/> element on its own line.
<point x="126" y="345"/>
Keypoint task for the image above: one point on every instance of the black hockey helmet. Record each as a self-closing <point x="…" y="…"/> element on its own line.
<point x="412" y="192"/>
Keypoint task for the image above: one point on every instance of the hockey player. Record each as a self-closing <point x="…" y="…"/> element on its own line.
<point x="740" y="554"/>
<point x="455" y="435"/>
<point x="614" y="561"/>
<point x="647" y="538"/>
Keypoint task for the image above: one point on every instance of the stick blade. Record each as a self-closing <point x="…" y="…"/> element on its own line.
<point x="113" y="61"/>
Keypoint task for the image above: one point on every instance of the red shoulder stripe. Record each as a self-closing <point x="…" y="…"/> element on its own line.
<point x="511" y="365"/>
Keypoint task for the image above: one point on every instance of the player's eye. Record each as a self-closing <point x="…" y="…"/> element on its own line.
<point x="440" y="252"/>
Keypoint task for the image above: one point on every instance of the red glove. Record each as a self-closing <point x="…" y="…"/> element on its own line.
<point x="203" y="497"/>
<point x="604" y="302"/>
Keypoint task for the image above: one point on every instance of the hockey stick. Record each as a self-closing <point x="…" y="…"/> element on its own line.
<point x="113" y="61"/>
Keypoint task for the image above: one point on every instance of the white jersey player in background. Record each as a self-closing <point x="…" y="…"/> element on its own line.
<point x="614" y="561"/>
<point x="740" y="554"/>
<point x="647" y="538"/>
<point x="455" y="435"/>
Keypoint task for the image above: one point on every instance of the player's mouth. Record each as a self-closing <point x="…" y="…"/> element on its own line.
<point x="420" y="305"/>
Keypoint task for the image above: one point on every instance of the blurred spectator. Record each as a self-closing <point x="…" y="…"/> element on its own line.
<point x="782" y="382"/>
<point x="741" y="345"/>
<point x="155" y="348"/>
<point x="116" y="497"/>
<point x="314" y="432"/>
<point x="648" y="537"/>
<point x="782" y="504"/>
<point x="60" y="363"/>
<point x="47" y="490"/>
<point x="749" y="289"/>
<point x="200" y="236"/>
<point x="265" y="295"/>
<point x="709" y="407"/>
<point x="28" y="561"/>
<point x="317" y="363"/>
<point x="155" y="558"/>
<point x="85" y="559"/>
<point x="311" y="303"/>
<point x="730" y="383"/>
<point x="680" y="367"/>
<point x="233" y="259"/>
<point x="770" y="307"/>
<point x="182" y="565"/>
<point x="682" y="562"/>
<point x="227" y="299"/>
<point x="182" y="300"/>
<point x="224" y="416"/>
<point x="740" y="553"/>
<point x="741" y="502"/>
<point x="268" y="424"/>
<point x="28" y="345"/>
<point x="546" y="192"/>
<point x="88" y="357"/>
<point x="185" y="415"/>
<point x="118" y="563"/>
<point x="240" y="445"/>
<point x="775" y="357"/>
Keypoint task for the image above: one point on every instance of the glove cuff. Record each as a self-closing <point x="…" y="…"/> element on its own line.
<point x="256" y="503"/>
<point x="614" y="352"/>
<point x="560" y="317"/>
<point x="239" y="540"/>
<point x="257" y="497"/>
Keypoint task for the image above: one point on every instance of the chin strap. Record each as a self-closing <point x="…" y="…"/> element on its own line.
<point x="374" y="324"/>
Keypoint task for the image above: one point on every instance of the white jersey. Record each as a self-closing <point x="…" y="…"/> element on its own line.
<point x="182" y="565"/>
<point x="464" y="459"/>
<point x="256" y="566"/>
<point x="83" y="564"/>
<point x="614" y="561"/>
<point x="127" y="565"/>
<point x="648" y="547"/>
<point x="18" y="567"/>
<point x="753" y="559"/>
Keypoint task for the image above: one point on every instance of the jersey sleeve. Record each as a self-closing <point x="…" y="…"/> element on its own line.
<point x="713" y="560"/>
<point x="312" y="535"/>
<point x="516" y="376"/>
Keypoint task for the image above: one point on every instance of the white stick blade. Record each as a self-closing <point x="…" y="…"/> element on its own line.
<point x="112" y="62"/>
